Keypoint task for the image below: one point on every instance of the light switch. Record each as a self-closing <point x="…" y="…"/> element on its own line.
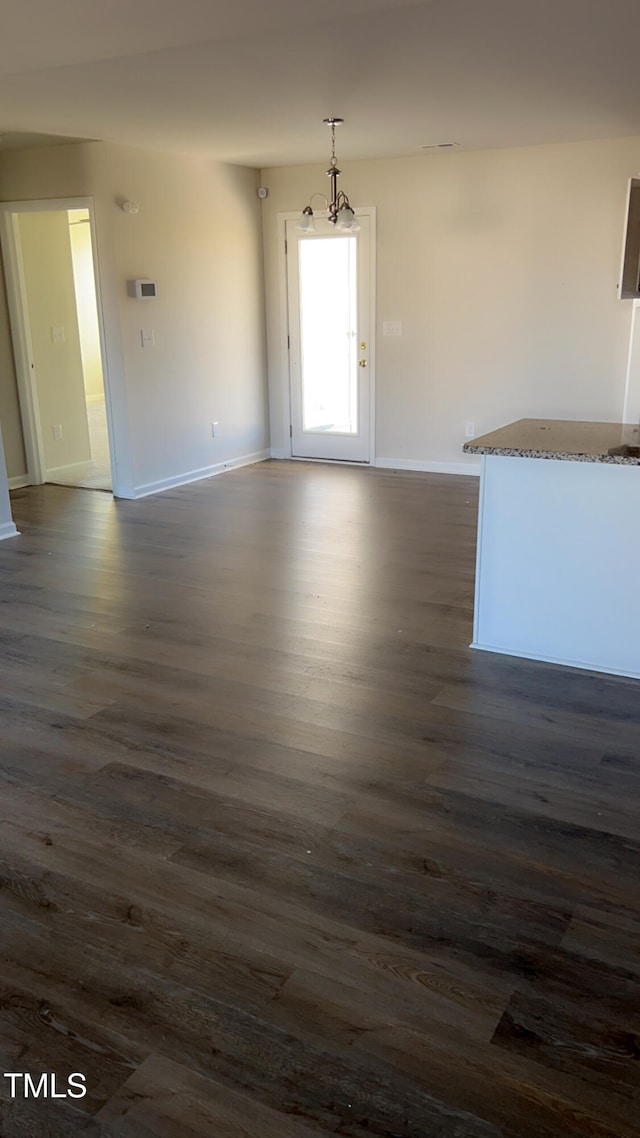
<point x="147" y="339"/>
<point x="392" y="328"/>
<point x="57" y="335"/>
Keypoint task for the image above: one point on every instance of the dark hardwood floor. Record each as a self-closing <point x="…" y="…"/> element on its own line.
<point x="280" y="856"/>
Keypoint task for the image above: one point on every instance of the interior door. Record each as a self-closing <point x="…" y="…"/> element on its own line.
<point x="329" y="292"/>
<point x="55" y="324"/>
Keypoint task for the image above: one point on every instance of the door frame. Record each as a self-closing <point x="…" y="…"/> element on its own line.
<point x="21" y="331"/>
<point x="364" y="211"/>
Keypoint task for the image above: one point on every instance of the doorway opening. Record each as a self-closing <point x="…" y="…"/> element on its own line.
<point x="58" y="343"/>
<point x="330" y="283"/>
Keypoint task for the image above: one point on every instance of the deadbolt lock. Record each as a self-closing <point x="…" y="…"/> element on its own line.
<point x="363" y="347"/>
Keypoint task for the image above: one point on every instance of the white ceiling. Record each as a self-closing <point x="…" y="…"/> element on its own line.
<point x="250" y="81"/>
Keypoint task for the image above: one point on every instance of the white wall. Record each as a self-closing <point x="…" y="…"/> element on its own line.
<point x="198" y="233"/>
<point x="502" y="266"/>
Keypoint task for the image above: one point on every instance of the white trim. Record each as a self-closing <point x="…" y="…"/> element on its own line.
<point x="556" y="660"/>
<point x="149" y="488"/>
<point x="8" y="529"/>
<point x="626" y="411"/>
<point x="331" y="461"/>
<point x="472" y="468"/>
<point x="283" y="297"/>
<point x="370" y="211"/>
<point x="45" y="205"/>
<point x="21" y="338"/>
<point x="68" y="466"/>
<point x="104" y="352"/>
<point x="625" y="226"/>
<point x="18" y="482"/>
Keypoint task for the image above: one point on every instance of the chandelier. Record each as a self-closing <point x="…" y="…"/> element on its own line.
<point x="338" y="208"/>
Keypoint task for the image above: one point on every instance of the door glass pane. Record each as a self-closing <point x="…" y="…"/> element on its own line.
<point x="328" y="331"/>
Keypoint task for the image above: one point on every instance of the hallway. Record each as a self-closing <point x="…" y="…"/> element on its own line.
<point x="96" y="474"/>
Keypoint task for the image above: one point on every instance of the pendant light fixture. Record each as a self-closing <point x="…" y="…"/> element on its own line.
<point x="339" y="210"/>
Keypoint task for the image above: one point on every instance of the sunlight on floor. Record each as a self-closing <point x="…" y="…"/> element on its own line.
<point x="95" y="474"/>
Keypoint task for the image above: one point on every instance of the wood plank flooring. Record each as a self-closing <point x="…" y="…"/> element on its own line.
<point x="280" y="856"/>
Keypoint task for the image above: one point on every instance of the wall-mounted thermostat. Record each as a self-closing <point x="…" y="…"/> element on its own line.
<point x="145" y="289"/>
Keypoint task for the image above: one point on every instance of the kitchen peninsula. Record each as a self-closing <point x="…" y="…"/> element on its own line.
<point x="558" y="557"/>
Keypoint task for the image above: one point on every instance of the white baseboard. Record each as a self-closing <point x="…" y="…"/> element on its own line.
<point x="58" y="470"/>
<point x="8" y="529"/>
<point x="193" y="475"/>
<point x="18" y="482"/>
<point x="582" y="665"/>
<point x="470" y="468"/>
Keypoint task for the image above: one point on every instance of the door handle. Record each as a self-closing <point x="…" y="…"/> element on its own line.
<point x="362" y="363"/>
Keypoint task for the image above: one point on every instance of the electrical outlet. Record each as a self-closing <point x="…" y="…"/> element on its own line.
<point x="469" y="430"/>
<point x="57" y="335"/>
<point x="147" y="339"/>
<point x="392" y="327"/>
<point x="57" y="432"/>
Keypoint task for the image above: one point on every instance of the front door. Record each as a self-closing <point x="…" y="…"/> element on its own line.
<point x="329" y="290"/>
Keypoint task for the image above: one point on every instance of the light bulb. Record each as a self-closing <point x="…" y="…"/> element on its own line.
<point x="306" y="223"/>
<point x="347" y="220"/>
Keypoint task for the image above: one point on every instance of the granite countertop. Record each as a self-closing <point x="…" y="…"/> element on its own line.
<point x="562" y="439"/>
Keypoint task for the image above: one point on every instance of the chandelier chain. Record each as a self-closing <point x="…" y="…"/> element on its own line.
<point x="339" y="210"/>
